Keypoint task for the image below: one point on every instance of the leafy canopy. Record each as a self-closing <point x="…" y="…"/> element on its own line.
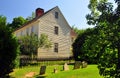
<point x="17" y="22"/>
<point x="103" y="43"/>
<point x="8" y="49"/>
<point x="106" y="45"/>
<point x="31" y="43"/>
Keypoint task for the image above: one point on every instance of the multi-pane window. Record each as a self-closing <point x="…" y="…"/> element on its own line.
<point x="56" y="15"/>
<point x="56" y="30"/>
<point x="55" y="47"/>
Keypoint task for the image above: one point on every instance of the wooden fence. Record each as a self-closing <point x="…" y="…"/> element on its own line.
<point x="24" y="61"/>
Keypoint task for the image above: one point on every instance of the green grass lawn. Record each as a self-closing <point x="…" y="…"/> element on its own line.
<point x="90" y="72"/>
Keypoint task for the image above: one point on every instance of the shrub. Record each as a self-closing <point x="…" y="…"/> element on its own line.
<point x="8" y="49"/>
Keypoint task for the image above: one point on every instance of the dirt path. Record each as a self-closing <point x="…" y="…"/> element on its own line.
<point x="30" y="75"/>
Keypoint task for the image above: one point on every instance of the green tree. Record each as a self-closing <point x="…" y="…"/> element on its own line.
<point x="17" y="22"/>
<point x="104" y="42"/>
<point x="8" y="49"/>
<point x="44" y="42"/>
<point x="31" y="17"/>
<point x="78" y="52"/>
<point x="78" y="31"/>
<point x="107" y="24"/>
<point x="30" y="44"/>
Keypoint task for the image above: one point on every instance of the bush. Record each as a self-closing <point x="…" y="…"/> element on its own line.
<point x="8" y="49"/>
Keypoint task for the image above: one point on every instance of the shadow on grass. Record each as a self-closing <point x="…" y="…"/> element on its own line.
<point x="8" y="76"/>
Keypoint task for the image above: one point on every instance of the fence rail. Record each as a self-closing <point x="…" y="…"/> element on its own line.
<point x="24" y="61"/>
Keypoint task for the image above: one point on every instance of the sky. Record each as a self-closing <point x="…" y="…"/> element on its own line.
<point x="73" y="10"/>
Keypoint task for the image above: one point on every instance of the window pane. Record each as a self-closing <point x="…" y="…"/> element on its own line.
<point x="56" y="14"/>
<point x="56" y="30"/>
<point x="56" y="47"/>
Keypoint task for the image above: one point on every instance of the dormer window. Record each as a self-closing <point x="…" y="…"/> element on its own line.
<point x="56" y="15"/>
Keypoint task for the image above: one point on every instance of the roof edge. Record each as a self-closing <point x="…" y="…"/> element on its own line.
<point x="34" y="19"/>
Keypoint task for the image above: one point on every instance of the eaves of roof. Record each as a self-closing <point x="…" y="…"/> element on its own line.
<point x="34" y="19"/>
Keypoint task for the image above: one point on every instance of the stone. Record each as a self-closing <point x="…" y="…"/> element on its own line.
<point x="77" y="64"/>
<point x="65" y="67"/>
<point x="84" y="64"/>
<point x="42" y="70"/>
<point x="55" y="70"/>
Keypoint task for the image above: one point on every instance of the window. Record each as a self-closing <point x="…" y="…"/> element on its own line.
<point x="55" y="47"/>
<point x="56" y="30"/>
<point x="56" y="15"/>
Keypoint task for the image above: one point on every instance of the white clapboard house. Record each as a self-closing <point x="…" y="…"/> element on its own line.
<point x="54" y="24"/>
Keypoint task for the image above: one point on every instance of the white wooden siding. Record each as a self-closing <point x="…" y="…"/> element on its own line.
<point x="47" y="24"/>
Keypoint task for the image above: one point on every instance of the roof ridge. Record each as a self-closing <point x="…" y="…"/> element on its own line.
<point x="34" y="19"/>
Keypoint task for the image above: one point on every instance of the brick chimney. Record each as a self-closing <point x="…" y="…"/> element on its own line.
<point x="39" y="12"/>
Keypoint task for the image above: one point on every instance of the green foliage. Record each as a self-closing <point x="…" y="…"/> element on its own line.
<point x="103" y="44"/>
<point x="17" y="22"/>
<point x="106" y="41"/>
<point x="79" y="47"/>
<point x="8" y="49"/>
<point x="44" y="42"/>
<point x="30" y="43"/>
<point x="31" y="17"/>
<point x="78" y="31"/>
